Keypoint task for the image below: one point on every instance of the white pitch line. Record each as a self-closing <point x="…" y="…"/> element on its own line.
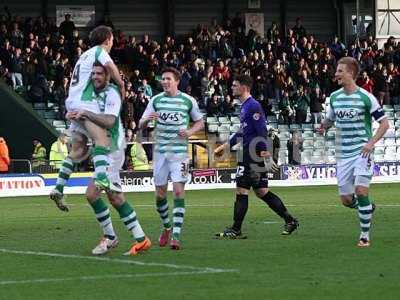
<point x="46" y="280"/>
<point x="226" y="205"/>
<point x="117" y="260"/>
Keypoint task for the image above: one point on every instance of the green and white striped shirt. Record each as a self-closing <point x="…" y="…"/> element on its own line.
<point x="109" y="101"/>
<point x="174" y="113"/>
<point x="352" y="114"/>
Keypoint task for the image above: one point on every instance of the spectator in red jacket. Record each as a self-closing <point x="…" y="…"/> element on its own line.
<point x="365" y="82"/>
<point x="220" y="68"/>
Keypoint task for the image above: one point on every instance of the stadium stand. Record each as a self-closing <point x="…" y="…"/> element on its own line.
<point x="290" y="69"/>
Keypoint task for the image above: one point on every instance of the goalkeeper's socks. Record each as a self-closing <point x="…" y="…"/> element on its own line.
<point x="64" y="173"/>
<point x="239" y="211"/>
<point x="162" y="209"/>
<point x="100" y="161"/>
<point x="276" y="204"/>
<point x="128" y="216"/>
<point x="365" y="214"/>
<point x="178" y="216"/>
<point x="103" y="217"/>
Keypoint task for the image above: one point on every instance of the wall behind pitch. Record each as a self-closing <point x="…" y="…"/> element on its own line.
<point x="23" y="8"/>
<point x="319" y="17"/>
<point x="51" y="6"/>
<point x="190" y="13"/>
<point x="270" y="9"/>
<point x="138" y="17"/>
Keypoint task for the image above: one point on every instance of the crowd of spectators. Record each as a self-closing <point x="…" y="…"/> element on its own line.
<point x="293" y="71"/>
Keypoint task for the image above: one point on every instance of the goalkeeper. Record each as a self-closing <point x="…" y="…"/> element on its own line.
<point x="254" y="163"/>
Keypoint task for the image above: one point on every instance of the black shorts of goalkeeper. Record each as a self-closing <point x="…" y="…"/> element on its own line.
<point x="251" y="175"/>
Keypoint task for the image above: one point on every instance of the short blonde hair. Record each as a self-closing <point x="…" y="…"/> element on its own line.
<point x="351" y="65"/>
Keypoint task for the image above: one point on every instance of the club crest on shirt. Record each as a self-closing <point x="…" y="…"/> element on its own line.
<point x="257" y="116"/>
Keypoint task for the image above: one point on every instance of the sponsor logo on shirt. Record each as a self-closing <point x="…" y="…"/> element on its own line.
<point x="174" y="117"/>
<point x="346" y="114"/>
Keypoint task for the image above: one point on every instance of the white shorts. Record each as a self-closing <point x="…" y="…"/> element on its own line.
<point x="72" y="104"/>
<point x="352" y="172"/>
<point x="166" y="166"/>
<point x="116" y="161"/>
<point x="79" y="128"/>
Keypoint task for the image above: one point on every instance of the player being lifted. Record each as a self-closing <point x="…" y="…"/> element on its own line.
<point x="256" y="161"/>
<point x="80" y="97"/>
<point x="172" y="111"/>
<point x="108" y="116"/>
<point x="351" y="110"/>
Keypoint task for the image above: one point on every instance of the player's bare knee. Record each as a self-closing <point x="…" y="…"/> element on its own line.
<point x="179" y="193"/>
<point x="361" y="191"/>
<point x="178" y="189"/>
<point x="161" y="193"/>
<point x="91" y="195"/>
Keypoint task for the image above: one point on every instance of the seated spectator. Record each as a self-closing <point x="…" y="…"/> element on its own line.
<point x="186" y="77"/>
<point x="4" y="156"/>
<point x="285" y="109"/>
<point x="214" y="106"/>
<point x="16" y="36"/>
<point x="273" y="32"/>
<point x="223" y="70"/>
<point x="337" y="48"/>
<point x="301" y="105"/>
<point x="39" y="90"/>
<point x="146" y="89"/>
<point x="60" y="93"/>
<point x="58" y="151"/>
<point x="4" y="74"/>
<point x="227" y="107"/>
<point x="365" y="82"/>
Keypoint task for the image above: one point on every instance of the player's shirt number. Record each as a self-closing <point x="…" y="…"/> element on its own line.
<point x="75" y="76"/>
<point x="239" y="171"/>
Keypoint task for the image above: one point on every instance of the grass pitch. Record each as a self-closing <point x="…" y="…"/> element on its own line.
<point x="45" y="254"/>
